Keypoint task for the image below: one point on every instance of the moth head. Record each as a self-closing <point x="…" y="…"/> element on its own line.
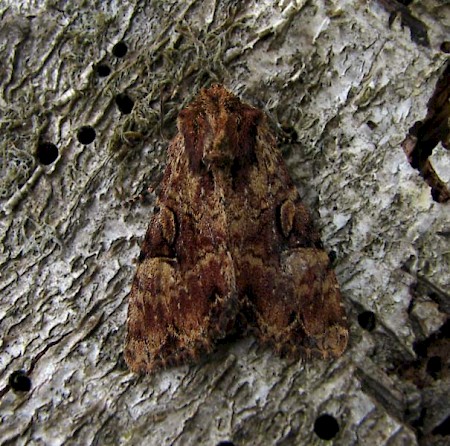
<point x="219" y="130"/>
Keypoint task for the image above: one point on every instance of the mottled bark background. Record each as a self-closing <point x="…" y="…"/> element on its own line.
<point x="358" y="93"/>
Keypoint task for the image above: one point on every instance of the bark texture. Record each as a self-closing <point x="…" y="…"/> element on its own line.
<point x="358" y="95"/>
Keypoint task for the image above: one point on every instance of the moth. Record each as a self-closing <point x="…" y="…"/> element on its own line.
<point x="230" y="248"/>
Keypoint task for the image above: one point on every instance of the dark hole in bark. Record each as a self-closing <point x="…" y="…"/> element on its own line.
<point x="19" y="381"/>
<point x="326" y="427"/>
<point x="86" y="134"/>
<point x="124" y="103"/>
<point x="103" y="70"/>
<point x="367" y="320"/>
<point x="46" y="153"/>
<point x="332" y="255"/>
<point x="445" y="47"/>
<point x="120" y="49"/>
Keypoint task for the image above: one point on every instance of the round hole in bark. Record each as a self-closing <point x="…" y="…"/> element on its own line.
<point x="120" y="49"/>
<point x="86" y="134"/>
<point x="367" y="320"/>
<point x="46" y="153"/>
<point x="103" y="70"/>
<point x="445" y="47"/>
<point x="124" y="103"/>
<point x="19" y="381"/>
<point x="326" y="427"/>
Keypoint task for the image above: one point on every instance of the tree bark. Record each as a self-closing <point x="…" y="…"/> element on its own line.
<point x="348" y="88"/>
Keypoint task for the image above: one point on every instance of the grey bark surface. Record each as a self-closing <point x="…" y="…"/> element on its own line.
<point x="343" y="84"/>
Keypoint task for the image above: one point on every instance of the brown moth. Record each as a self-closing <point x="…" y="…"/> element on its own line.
<point x="230" y="247"/>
